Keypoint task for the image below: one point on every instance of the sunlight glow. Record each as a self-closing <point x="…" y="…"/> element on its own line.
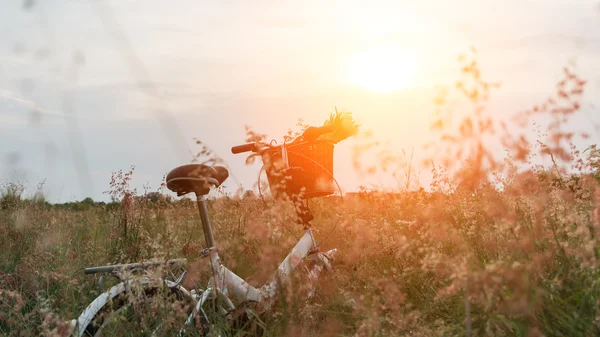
<point x="383" y="69"/>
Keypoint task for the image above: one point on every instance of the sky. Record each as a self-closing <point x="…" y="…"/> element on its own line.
<point x="91" y="87"/>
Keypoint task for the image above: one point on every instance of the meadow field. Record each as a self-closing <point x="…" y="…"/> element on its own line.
<point x="492" y="247"/>
<point x="494" y="263"/>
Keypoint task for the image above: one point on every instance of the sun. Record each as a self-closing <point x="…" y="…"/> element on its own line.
<point x="383" y="69"/>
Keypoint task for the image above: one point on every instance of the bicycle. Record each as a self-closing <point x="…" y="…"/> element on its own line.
<point x="213" y="308"/>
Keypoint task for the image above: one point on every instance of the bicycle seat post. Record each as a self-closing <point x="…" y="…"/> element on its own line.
<point x="206" y="226"/>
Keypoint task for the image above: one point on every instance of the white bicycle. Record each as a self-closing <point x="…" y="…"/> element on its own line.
<point x="143" y="304"/>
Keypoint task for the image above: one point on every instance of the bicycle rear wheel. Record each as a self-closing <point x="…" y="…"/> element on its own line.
<point x="142" y="310"/>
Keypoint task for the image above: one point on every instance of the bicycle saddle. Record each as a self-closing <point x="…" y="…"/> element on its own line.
<point x="196" y="178"/>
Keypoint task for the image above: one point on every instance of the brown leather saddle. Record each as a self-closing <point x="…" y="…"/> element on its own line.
<point x="196" y="178"/>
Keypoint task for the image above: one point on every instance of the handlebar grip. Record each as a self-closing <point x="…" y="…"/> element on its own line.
<point x="243" y="148"/>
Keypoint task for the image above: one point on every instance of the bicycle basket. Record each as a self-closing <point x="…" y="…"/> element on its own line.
<point x="304" y="168"/>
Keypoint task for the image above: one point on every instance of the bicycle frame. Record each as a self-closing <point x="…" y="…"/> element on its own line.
<point x="229" y="284"/>
<point x="225" y="283"/>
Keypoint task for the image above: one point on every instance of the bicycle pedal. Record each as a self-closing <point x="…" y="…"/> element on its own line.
<point x="330" y="254"/>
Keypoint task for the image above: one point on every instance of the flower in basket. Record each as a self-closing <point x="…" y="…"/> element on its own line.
<point x="338" y="127"/>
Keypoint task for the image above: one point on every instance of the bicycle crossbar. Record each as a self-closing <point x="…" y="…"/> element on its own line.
<point x="130" y="266"/>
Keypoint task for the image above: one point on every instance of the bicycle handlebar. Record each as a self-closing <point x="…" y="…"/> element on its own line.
<point x="243" y="148"/>
<point x="310" y="134"/>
